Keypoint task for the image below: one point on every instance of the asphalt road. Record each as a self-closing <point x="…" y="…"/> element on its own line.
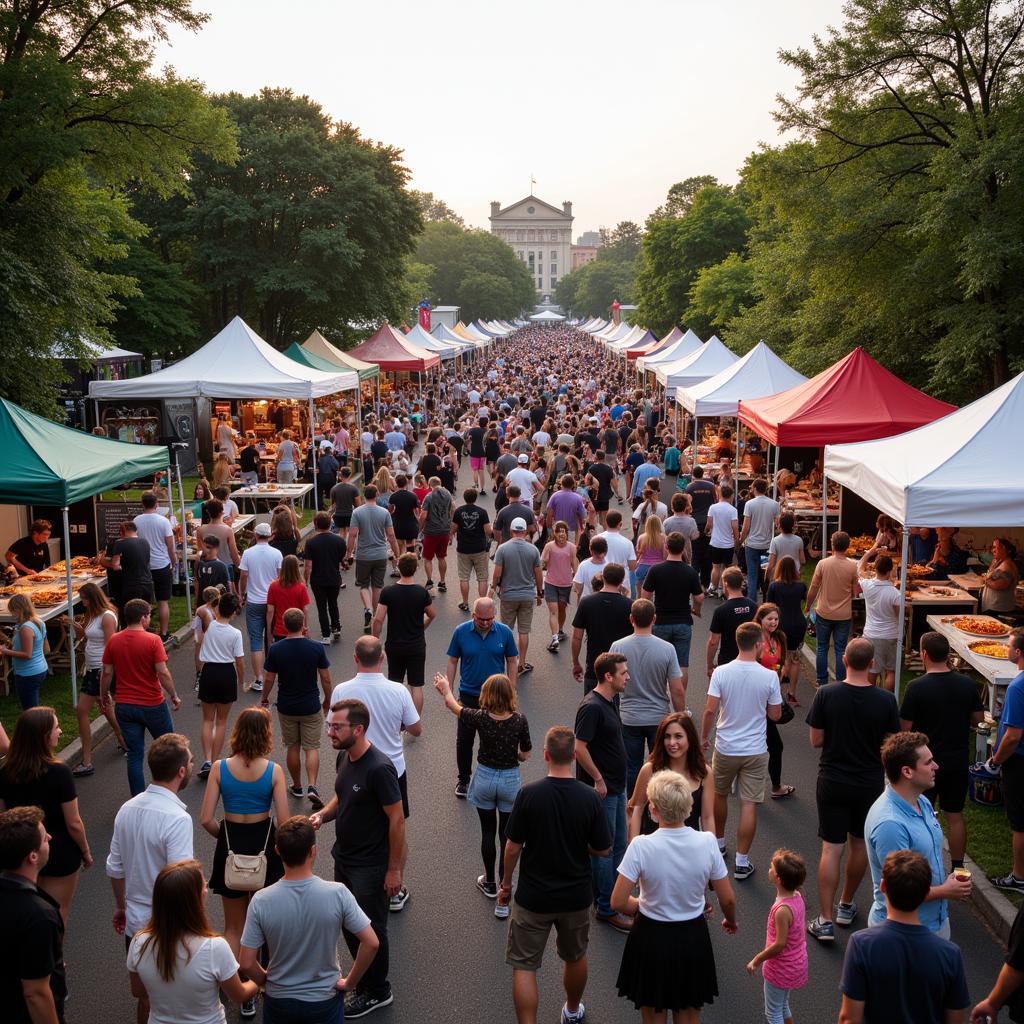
<point x="447" y="948"/>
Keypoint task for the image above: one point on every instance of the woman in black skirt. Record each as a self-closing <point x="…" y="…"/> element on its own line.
<point x="668" y="962"/>
<point x="250" y="784"/>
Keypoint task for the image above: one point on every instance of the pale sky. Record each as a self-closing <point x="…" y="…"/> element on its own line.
<point x="605" y="103"/>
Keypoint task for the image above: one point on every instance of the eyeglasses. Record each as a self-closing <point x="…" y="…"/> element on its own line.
<point x="336" y="726"/>
<point x="483" y="618"/>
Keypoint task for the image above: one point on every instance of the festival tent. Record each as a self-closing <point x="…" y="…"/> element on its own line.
<point x="655" y="344"/>
<point x="546" y="316"/>
<point x="711" y="358"/>
<point x="460" y="331"/>
<point x="236" y="363"/>
<point x="683" y="346"/>
<point x="447" y="335"/>
<point x="501" y="325"/>
<point x="595" y="326"/>
<point x="46" y="463"/>
<point x="641" y="345"/>
<point x="634" y="335"/>
<point x="613" y="333"/>
<point x="855" y="399"/>
<point x="760" y="372"/>
<point x="392" y="352"/>
<point x="445" y="349"/>
<point x="474" y="332"/>
<point x="318" y="345"/>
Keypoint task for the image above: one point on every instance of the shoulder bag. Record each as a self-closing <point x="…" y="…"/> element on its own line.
<point x="246" y="872"/>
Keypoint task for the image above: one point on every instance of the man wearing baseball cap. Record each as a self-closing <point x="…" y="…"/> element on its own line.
<point x="519" y="582"/>
<point x="525" y="479"/>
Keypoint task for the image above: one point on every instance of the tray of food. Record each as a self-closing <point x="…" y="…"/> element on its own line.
<point x="78" y="564"/>
<point x="860" y="544"/>
<point x="50" y="597"/>
<point x="980" y="625"/>
<point x="942" y="591"/>
<point x="918" y="570"/>
<point x="990" y="649"/>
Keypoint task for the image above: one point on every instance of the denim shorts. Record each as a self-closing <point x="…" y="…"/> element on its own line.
<point x="492" y="788"/>
<point x="678" y="634"/>
<point x="256" y="624"/>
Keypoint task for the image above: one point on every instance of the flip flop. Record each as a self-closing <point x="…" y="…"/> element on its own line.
<point x="786" y="791"/>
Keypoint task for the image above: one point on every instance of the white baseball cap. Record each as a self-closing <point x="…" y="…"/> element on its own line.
<point x="262" y="530"/>
<point x="524" y="458"/>
<point x="519" y="525"/>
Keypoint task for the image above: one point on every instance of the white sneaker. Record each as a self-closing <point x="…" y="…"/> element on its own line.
<point x="574" y="1018"/>
<point x="325" y="640"/>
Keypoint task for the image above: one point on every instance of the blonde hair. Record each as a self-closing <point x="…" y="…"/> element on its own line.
<point x="384" y="480"/>
<point x="498" y="695"/>
<point x="670" y="794"/>
<point x="23" y="610"/>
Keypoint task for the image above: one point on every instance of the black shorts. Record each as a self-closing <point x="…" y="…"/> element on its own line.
<point x="1013" y="791"/>
<point x="842" y="809"/>
<point x="601" y="504"/>
<point x="950" y="789"/>
<point x="343" y="520"/>
<point x="161" y="583"/>
<point x="403" y="788"/>
<point x="721" y="556"/>
<point x="407" y="665"/>
<point x="218" y="683"/>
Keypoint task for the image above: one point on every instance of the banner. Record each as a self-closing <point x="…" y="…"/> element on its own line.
<point x="425" y="315"/>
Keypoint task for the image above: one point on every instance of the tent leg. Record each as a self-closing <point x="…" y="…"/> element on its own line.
<point x="184" y="533"/>
<point x="359" y="427"/>
<point x="312" y="445"/>
<point x="903" y="611"/>
<point x="71" y="608"/>
<point x="824" y="511"/>
<point x="96" y="411"/>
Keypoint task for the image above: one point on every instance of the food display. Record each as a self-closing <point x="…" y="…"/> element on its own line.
<point x="918" y="570"/>
<point x="990" y="649"/>
<point x="49" y="597"/>
<point x="38" y="577"/>
<point x="943" y="591"/>
<point x="860" y="545"/>
<point x="78" y="564"/>
<point x="980" y="625"/>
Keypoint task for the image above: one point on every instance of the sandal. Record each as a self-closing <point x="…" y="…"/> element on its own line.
<point x="442" y="587"/>
<point x="81" y="770"/>
<point x="791" y="697"/>
<point x="786" y="791"/>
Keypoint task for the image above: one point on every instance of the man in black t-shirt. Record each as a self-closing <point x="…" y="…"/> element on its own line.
<point x="323" y="553"/>
<point x="471" y="527"/>
<point x="703" y="494"/>
<point x="344" y="498"/>
<point x="369" y="850"/>
<point x="601" y="477"/>
<point x="32" y="977"/>
<point x="848" y="721"/>
<point x="671" y="585"/>
<point x="249" y="462"/>
<point x="130" y="558"/>
<point x="409" y="610"/>
<point x="603" y="617"/>
<point x="404" y="506"/>
<point x="945" y="705"/>
<point x="727" y="618"/>
<point x="601" y="763"/>
<point x="557" y="824"/>
<point x="430" y="464"/>
<point x="31" y="554"/>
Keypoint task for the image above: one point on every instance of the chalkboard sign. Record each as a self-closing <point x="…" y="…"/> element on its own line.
<point x="111" y="514"/>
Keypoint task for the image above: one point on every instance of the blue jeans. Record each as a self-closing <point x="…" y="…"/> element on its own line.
<point x="839" y="631"/>
<point x="640" y="574"/>
<point x="296" y="1011"/>
<point x="634" y="737"/>
<point x="776" y="1004"/>
<point x="603" y="869"/>
<point x="256" y="624"/>
<point x="134" y="720"/>
<point x="678" y="635"/>
<point x="28" y="689"/>
<point x="753" y="556"/>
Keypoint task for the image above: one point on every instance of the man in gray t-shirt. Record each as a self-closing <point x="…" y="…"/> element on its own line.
<point x="370" y="534"/>
<point x="759" y="516"/>
<point x="520" y="583"/>
<point x="300" y="919"/>
<point x="785" y="545"/>
<point x="654" y="689"/>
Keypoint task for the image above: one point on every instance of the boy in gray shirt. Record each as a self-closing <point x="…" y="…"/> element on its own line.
<point x="300" y="919"/>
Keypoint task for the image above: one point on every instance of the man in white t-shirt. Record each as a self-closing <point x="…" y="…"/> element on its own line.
<point x="157" y="532"/>
<point x="524" y="478"/>
<point x="392" y="712"/>
<point x="583" y="581"/>
<point x="723" y="528"/>
<point x="882" y="622"/>
<point x="259" y="567"/>
<point x="741" y="693"/>
<point x="620" y="548"/>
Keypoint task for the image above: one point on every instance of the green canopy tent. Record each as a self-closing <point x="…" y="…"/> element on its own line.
<point x="46" y="463"/>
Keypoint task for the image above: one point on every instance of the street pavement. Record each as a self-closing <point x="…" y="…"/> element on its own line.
<point x="447" y="948"/>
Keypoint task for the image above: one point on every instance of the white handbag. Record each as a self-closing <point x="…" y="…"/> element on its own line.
<point x="246" y="872"/>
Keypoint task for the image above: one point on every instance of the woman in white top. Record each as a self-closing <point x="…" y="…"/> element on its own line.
<point x="668" y="962"/>
<point x="223" y="660"/>
<point x="100" y="625"/>
<point x="177" y="961"/>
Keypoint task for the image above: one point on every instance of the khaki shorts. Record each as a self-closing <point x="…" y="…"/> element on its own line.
<point x="511" y="611"/>
<point x="306" y="730"/>
<point x="528" y="935"/>
<point x="885" y="655"/>
<point x="473" y="563"/>
<point x="749" y="770"/>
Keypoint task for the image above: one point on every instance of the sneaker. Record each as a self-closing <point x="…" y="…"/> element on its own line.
<point x="442" y="587"/>
<point x="297" y="791"/>
<point x="561" y="635"/>
<point x="489" y="889"/>
<point x="1010" y="881"/>
<point x="462" y="790"/>
<point x="399" y="900"/>
<point x="81" y="770"/>
<point x="247" y="1011"/>
<point x="524" y="668"/>
<point x="620" y="922"/>
<point x="314" y="797"/>
<point x="257" y="686"/>
<point x="336" y="635"/>
<point x="574" y="1018"/>
<point x="246" y="685"/>
<point x="553" y="646"/>
<point x="359" y="1004"/>
<point x="463" y="607"/>
<point x="741" y="872"/>
<point x="501" y="911"/>
<point x="367" y="619"/>
<point x="821" y="930"/>
<point x="325" y="639"/>
<point x="429" y="585"/>
<point x="846" y="913"/>
<point x="205" y="770"/>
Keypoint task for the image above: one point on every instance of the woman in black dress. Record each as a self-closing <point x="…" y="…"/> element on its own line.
<point x="32" y="776"/>
<point x="788" y="591"/>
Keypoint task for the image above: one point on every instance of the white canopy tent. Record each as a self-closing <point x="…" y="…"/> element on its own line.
<point x="613" y="333"/>
<point x="445" y="349"/>
<point x="711" y="358"/>
<point x="595" y="326"/>
<point x="475" y="332"/>
<point x="445" y="334"/>
<point x="547" y="316"/>
<point x="951" y="472"/>
<point x="672" y="353"/>
<point x="634" y="335"/>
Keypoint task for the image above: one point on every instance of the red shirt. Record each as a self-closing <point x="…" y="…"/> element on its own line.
<point x="283" y="598"/>
<point x="134" y="655"/>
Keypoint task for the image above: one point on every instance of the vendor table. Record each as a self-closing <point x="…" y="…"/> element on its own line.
<point x="967" y="580"/>
<point x="289" y="493"/>
<point x="237" y="526"/>
<point x="997" y="675"/>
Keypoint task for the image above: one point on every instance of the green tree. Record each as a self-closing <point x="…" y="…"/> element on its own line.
<point x="718" y="294"/>
<point x="80" y="116"/>
<point x="680" y="197"/>
<point x="432" y="208"/>
<point x="622" y="243"/>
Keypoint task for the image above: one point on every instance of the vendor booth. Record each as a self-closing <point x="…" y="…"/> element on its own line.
<point x="681" y="346"/>
<point x="396" y="355"/>
<point x="711" y="358"/>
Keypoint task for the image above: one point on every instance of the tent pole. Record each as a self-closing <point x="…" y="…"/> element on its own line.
<point x="694" y="465"/>
<point x="312" y="446"/>
<point x="96" y="411"/>
<point x="359" y="426"/>
<point x="184" y="532"/>
<point x="71" y="607"/>
<point x="824" y="509"/>
<point x="903" y="611"/>
<point x="736" y="489"/>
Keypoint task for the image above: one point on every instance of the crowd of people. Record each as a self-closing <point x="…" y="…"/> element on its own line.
<point x="601" y="519"/>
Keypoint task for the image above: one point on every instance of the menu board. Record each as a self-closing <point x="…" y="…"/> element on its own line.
<point x="111" y="514"/>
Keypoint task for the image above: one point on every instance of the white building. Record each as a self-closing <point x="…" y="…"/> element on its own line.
<point x="540" y="235"/>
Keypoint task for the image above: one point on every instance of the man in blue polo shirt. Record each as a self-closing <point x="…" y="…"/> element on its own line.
<point x="484" y="648"/>
<point x="1008" y="758"/>
<point x="902" y="818"/>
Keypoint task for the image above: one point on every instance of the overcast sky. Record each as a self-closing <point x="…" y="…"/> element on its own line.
<point x="605" y="103"/>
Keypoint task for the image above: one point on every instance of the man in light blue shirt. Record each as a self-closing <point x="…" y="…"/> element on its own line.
<point x="648" y="471"/>
<point x="902" y="818"/>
